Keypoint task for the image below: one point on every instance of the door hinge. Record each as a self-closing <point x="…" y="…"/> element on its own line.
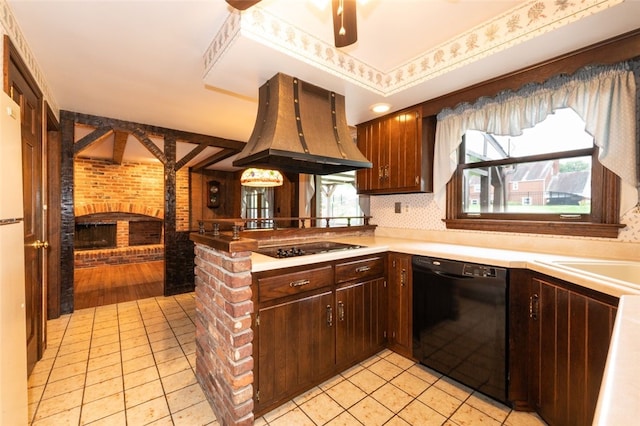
<point x="258" y="396"/>
<point x="257" y="320"/>
<point x="393" y="265"/>
<point x="384" y="283"/>
<point x="384" y="334"/>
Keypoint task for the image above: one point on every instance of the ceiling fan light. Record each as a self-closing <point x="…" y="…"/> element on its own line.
<point x="261" y="178"/>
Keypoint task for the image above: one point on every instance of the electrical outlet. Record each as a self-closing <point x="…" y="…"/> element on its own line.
<point x="398" y="207"/>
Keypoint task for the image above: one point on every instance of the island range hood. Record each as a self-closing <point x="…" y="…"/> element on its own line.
<point x="300" y="128"/>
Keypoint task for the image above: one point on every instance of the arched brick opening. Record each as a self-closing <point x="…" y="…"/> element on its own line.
<point x="131" y="233"/>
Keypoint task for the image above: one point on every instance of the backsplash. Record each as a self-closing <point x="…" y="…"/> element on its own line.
<point x="420" y="212"/>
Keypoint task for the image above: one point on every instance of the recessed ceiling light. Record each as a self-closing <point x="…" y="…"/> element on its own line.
<point x="380" y="108"/>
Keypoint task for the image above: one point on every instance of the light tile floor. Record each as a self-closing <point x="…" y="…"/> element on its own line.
<point x="133" y="364"/>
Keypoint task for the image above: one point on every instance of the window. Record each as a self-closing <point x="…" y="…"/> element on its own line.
<point x="543" y="173"/>
<point x="337" y="198"/>
<point x="257" y="203"/>
<point x="600" y="94"/>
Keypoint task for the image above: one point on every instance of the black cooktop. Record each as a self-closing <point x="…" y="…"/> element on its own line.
<point x="304" y="249"/>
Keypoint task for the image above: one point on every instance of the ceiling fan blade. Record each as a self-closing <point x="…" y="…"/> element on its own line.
<point x="345" y="27"/>
<point x="242" y="4"/>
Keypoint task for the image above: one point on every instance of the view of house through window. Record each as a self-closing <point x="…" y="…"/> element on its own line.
<point x="337" y="198"/>
<point x="546" y="170"/>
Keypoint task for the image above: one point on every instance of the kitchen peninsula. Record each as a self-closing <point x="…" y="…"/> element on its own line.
<point x="226" y="301"/>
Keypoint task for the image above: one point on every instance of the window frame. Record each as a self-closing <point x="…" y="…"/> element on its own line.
<point x="602" y="222"/>
<point x="462" y="166"/>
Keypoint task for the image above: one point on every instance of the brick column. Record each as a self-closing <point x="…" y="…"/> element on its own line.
<point x="224" y="361"/>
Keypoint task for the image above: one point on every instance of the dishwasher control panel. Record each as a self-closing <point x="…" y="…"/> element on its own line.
<point x="478" y="271"/>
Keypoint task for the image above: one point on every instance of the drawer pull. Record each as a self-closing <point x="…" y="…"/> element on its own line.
<point x="363" y="269"/>
<point x="299" y="283"/>
<point x="329" y="316"/>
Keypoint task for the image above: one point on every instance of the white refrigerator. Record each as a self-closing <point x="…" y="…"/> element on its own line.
<point x="13" y="354"/>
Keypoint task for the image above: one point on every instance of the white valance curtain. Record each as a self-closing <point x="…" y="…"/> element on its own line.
<point x="604" y="96"/>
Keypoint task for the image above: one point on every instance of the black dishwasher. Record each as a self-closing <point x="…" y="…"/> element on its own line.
<point x="460" y="322"/>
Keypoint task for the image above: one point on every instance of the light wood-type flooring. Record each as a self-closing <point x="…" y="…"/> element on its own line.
<point x="105" y="285"/>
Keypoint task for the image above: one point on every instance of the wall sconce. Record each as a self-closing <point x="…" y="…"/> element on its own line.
<point x="261" y="178"/>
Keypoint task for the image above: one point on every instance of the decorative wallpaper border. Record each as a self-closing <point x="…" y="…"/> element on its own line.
<point x="12" y="29"/>
<point x="525" y="22"/>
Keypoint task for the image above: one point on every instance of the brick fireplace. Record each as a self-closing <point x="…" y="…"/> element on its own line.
<point x="119" y="212"/>
<point x="115" y="234"/>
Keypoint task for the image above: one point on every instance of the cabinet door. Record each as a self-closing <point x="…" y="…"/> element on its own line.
<point x="296" y="347"/>
<point x="404" y="151"/>
<point x="400" y="305"/>
<point x="360" y="321"/>
<point x="571" y="333"/>
<point x="401" y="154"/>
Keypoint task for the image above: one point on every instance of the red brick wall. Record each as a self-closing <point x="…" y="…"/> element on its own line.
<point x="224" y="361"/>
<point x="137" y="184"/>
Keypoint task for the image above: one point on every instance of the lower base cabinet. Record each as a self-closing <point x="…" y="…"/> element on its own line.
<point x="313" y="322"/>
<point x="296" y="346"/>
<point x="360" y="321"/>
<point x="568" y="331"/>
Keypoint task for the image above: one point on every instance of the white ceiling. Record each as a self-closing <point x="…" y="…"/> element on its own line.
<point x="196" y="65"/>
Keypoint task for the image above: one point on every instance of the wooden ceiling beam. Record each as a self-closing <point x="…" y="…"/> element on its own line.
<point x="99" y="134"/>
<point x="215" y="158"/>
<point x="148" y="143"/>
<point x="119" y="144"/>
<point x="128" y="126"/>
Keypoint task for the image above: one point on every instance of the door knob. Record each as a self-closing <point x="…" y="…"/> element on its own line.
<point x="40" y="244"/>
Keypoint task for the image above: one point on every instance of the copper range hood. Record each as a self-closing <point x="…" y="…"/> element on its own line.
<point x="300" y="128"/>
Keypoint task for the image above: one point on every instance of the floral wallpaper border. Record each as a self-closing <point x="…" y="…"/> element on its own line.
<point x="12" y="29"/>
<point x="524" y="22"/>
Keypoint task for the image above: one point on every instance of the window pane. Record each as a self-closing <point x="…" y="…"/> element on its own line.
<point x="561" y="131"/>
<point x="560" y="186"/>
<point x="339" y="198"/>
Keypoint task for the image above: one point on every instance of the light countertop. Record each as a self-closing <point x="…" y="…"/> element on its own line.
<point x="618" y="399"/>
<point x="538" y="262"/>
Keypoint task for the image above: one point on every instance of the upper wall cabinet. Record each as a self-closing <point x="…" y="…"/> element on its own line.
<point x="400" y="146"/>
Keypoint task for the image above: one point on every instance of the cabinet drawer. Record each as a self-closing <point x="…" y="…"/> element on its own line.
<point x="359" y="269"/>
<point x="293" y="283"/>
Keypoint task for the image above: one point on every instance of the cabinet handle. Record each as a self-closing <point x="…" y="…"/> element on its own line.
<point x="340" y="311"/>
<point x="534" y="306"/>
<point x="403" y="277"/>
<point x="329" y="316"/>
<point x="380" y="172"/>
<point x="417" y="180"/>
<point x="299" y="283"/>
<point x="363" y="268"/>
<point x="386" y="171"/>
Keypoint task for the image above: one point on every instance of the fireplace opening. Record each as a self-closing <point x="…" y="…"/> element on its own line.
<point x="91" y="236"/>
<point x="145" y="232"/>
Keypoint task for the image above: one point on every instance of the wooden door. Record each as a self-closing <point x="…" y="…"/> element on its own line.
<point x="400" y="305"/>
<point x="360" y="321"/>
<point x="364" y="177"/>
<point x="568" y="357"/>
<point x="296" y="347"/>
<point x="26" y="94"/>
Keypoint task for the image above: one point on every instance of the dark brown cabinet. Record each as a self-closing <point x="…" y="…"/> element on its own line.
<point x="569" y="329"/>
<point x="313" y="322"/>
<point x="296" y="346"/>
<point x="360" y="321"/>
<point x="400" y="305"/>
<point x="400" y="147"/>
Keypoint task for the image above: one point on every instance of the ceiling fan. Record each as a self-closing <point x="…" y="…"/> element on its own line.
<point x="345" y="31"/>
